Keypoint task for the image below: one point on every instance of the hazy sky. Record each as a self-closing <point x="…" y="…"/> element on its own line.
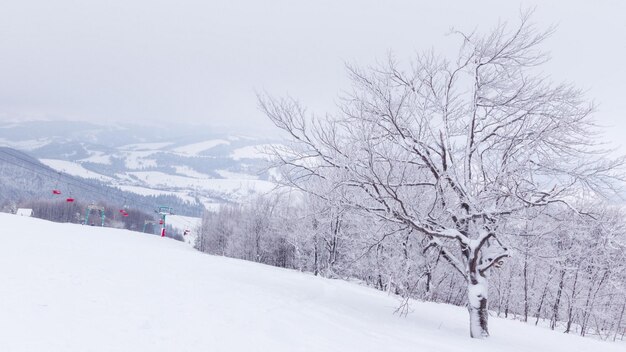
<point x="202" y="61"/>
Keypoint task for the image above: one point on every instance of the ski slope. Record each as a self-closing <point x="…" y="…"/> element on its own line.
<point x="66" y="287"/>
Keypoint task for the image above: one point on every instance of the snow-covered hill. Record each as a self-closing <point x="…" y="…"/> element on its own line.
<point x="69" y="288"/>
<point x="192" y="164"/>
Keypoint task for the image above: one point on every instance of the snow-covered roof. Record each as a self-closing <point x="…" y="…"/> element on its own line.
<point x="24" y="212"/>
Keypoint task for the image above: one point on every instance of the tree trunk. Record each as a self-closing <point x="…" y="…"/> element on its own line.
<point x="557" y="301"/>
<point x="508" y="294"/>
<point x="428" y="278"/>
<point x="478" y="287"/>
<point x="477" y="306"/>
<point x="525" y="287"/>
<point x="589" y="304"/>
<point x="619" y="322"/>
<point x="315" y="258"/>
<point x="450" y="291"/>
<point x="543" y="296"/>
<point x="570" y="309"/>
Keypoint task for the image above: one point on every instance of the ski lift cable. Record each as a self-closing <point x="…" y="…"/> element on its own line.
<point x="60" y="175"/>
<point x="55" y="191"/>
<point x="74" y="181"/>
<point x="68" y="179"/>
<point x="81" y="184"/>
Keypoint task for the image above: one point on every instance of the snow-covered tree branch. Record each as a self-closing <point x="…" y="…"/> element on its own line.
<point x="451" y="148"/>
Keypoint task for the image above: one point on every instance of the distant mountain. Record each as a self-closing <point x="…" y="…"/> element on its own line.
<point x="190" y="163"/>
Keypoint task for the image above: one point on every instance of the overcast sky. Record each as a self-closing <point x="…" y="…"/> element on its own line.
<point x="202" y="61"/>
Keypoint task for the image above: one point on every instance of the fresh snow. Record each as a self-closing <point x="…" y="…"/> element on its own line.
<point x="235" y="175"/>
<point x="251" y="152"/>
<point x="229" y="182"/>
<point x="25" y="145"/>
<point x="74" y="169"/>
<point x="211" y="205"/>
<point x="69" y="287"/>
<point x="98" y="157"/>
<point x="24" y="212"/>
<point x="182" y="223"/>
<point x="197" y="148"/>
<point x="136" y="160"/>
<point x="156" y="192"/>
<point x="145" y="146"/>
<point x="188" y="171"/>
<point x="237" y="189"/>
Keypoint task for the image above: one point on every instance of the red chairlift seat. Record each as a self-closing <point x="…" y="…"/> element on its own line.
<point x="56" y="191"/>
<point x="125" y="214"/>
<point x="69" y="200"/>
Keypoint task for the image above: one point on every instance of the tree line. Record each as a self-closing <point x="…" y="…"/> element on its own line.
<point x="75" y="212"/>
<point x="472" y="180"/>
<point x="565" y="273"/>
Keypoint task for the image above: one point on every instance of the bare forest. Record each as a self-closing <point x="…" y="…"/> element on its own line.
<point x="472" y="180"/>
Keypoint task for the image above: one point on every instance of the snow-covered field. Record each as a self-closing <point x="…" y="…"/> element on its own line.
<point x="236" y="188"/>
<point x="145" y="146"/>
<point x="189" y="172"/>
<point x="235" y="175"/>
<point x="67" y="287"/>
<point x="185" y="184"/>
<point x="137" y="160"/>
<point x="252" y="152"/>
<point x="221" y="169"/>
<point x="25" y="144"/>
<point x="156" y="192"/>
<point x="186" y="223"/>
<point x="74" y="169"/>
<point x="196" y="148"/>
<point x="98" y="157"/>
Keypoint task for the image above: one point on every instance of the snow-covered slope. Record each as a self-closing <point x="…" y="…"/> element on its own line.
<point x="77" y="288"/>
<point x="196" y="148"/>
<point x="74" y="169"/>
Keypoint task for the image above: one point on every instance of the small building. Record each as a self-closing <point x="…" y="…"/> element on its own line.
<point x="24" y="212"/>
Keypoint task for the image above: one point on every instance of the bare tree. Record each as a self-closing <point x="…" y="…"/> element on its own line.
<point x="451" y="149"/>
